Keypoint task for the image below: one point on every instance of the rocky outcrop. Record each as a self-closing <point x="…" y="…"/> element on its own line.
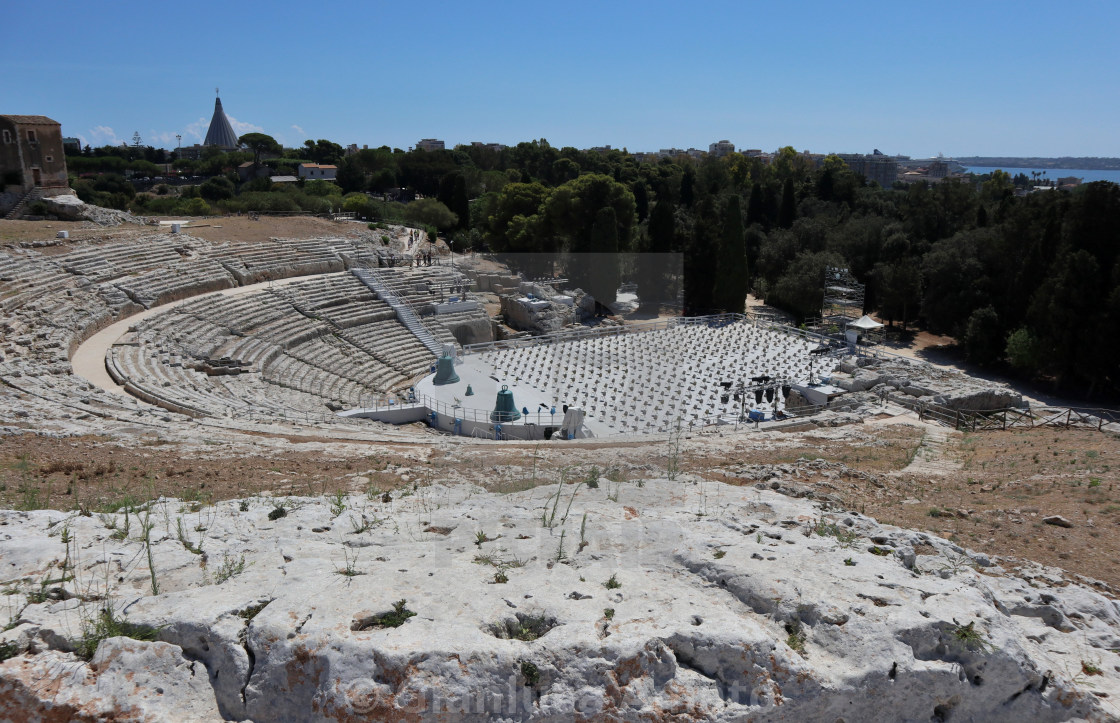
<point x="71" y="208"/>
<point x="471" y="331"/>
<point x="686" y="600"/>
<point x="938" y="385"/>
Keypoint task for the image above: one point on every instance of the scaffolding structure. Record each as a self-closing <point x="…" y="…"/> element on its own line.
<point x="843" y="296"/>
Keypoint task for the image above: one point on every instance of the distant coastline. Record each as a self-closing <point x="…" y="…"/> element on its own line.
<point x="1065" y="162"/>
<point x="1087" y="175"/>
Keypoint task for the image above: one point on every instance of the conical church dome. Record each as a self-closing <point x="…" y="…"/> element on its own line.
<point x="221" y="132"/>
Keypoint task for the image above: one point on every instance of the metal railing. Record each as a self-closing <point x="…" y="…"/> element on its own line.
<point x="403" y="308"/>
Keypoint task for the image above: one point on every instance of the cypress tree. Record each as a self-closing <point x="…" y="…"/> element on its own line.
<point x="641" y="199"/>
<point x="655" y="262"/>
<point x="731" y="270"/>
<point x="756" y="207"/>
<point x="688" y="187"/>
<point x="787" y="212"/>
<point x="699" y="261"/>
<point x="604" y="277"/>
<point x="459" y="203"/>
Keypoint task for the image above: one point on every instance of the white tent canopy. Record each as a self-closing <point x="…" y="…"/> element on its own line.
<point x="865" y="323"/>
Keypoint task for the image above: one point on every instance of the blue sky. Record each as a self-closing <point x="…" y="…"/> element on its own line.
<point x="918" y="78"/>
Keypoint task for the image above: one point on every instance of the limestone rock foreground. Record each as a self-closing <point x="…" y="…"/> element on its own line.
<point x="676" y="600"/>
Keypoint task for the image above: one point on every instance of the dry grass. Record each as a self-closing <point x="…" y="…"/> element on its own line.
<point x="1011" y="480"/>
<point x="94" y="473"/>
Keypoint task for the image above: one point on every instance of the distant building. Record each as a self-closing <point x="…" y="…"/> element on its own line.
<point x="352" y="149"/>
<point x="31" y="155"/>
<point x="491" y="146"/>
<point x="193" y="153"/>
<point x="316" y="171"/>
<point x="599" y="149"/>
<point x="72" y="145"/>
<point x="248" y="171"/>
<point x="430" y="144"/>
<point x="877" y="167"/>
<point x="220" y="133"/>
<point x="719" y="149"/>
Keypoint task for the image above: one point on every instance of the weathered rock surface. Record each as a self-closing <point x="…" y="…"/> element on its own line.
<point x="935" y="384"/>
<point x="71" y="208"/>
<point x="685" y="600"/>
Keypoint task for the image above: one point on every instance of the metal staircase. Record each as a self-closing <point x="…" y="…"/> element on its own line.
<point x="401" y="307"/>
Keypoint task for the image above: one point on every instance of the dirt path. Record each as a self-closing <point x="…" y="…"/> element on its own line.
<point x="931" y="457"/>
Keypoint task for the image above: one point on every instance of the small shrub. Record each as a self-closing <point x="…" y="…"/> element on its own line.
<point x="522" y="626"/>
<point x="350" y="569"/>
<point x="184" y="541"/>
<point x="608" y="613"/>
<point x="845" y="537"/>
<point x="359" y="526"/>
<point x="718" y="554"/>
<point x="107" y="625"/>
<point x="338" y="504"/>
<point x="500" y="577"/>
<point x="612" y="583"/>
<point x="530" y="673"/>
<point x="252" y="611"/>
<point x="796" y="638"/>
<point x="849" y="562"/>
<point x="880" y="551"/>
<point x="277" y="512"/>
<point x="244" y="506"/>
<point x="970" y="638"/>
<point x="228" y="568"/>
<point x="1090" y="668"/>
<point x="934" y="512"/>
<point x="395" y="618"/>
<point x="8" y="650"/>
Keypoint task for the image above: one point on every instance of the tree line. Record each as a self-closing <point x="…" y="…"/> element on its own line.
<point x="1029" y="283"/>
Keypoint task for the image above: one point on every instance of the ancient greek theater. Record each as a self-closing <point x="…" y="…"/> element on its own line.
<point x="334" y="331"/>
<point x="286" y="469"/>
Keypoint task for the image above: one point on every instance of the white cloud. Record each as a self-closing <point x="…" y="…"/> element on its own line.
<point x="160" y="139"/>
<point x="241" y="128"/>
<point x="104" y="136"/>
<point x="197" y="129"/>
<point x="299" y="130"/>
